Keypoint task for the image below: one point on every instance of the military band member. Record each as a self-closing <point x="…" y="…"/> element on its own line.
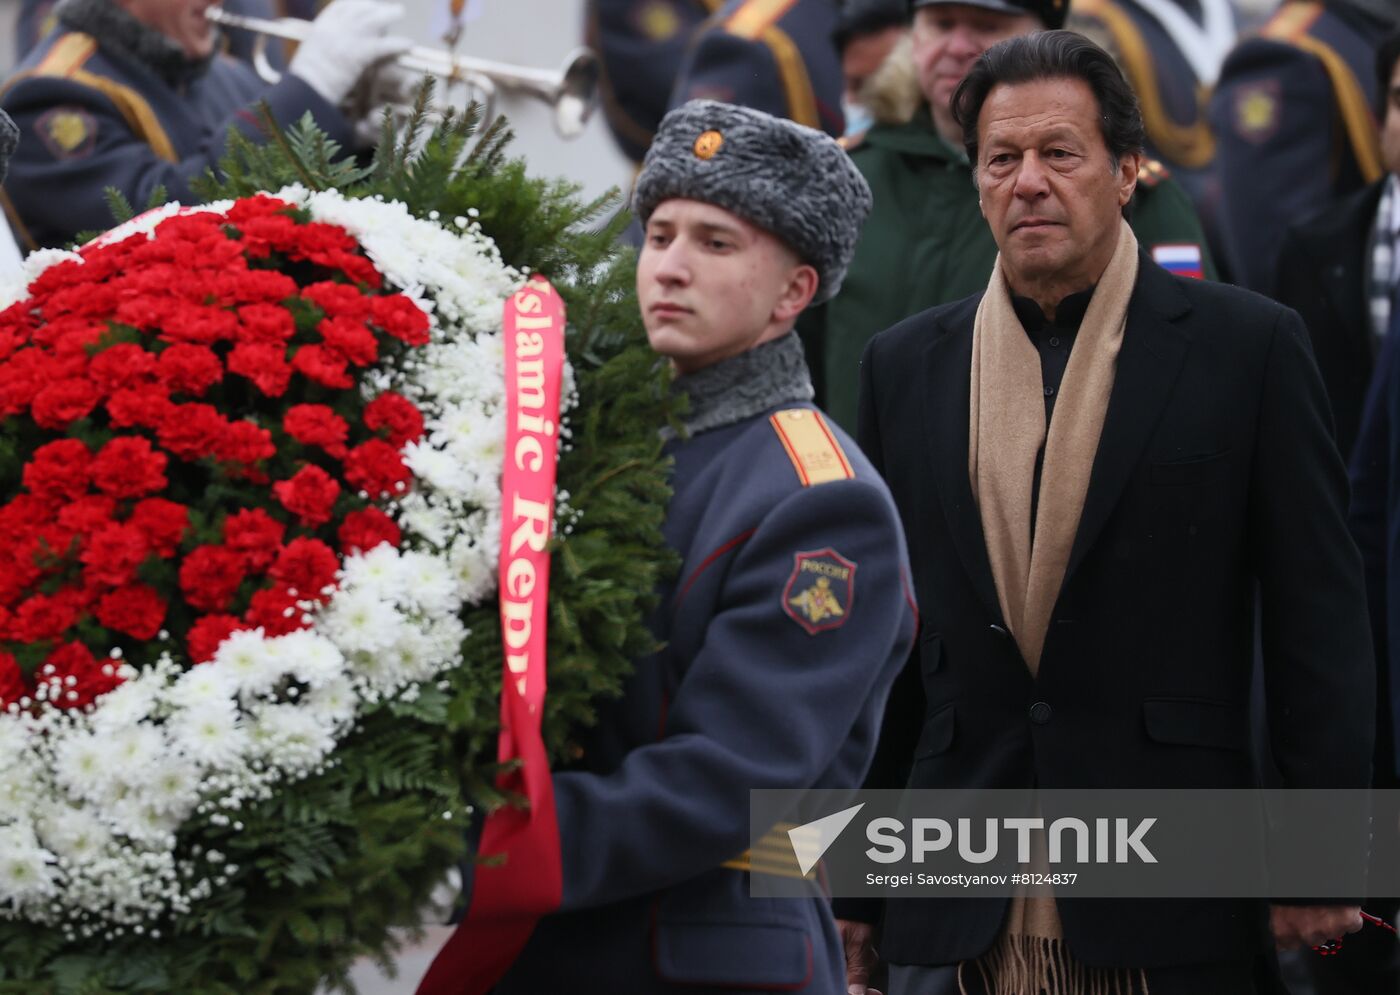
<point x="788" y="618"/>
<point x="776" y="55"/>
<point x="132" y="94"/>
<point x="1295" y="125"/>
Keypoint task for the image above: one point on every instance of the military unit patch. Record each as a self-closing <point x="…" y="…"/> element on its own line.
<point x="68" y="132"/>
<point x="819" y="593"/>
<point x="1257" y="110"/>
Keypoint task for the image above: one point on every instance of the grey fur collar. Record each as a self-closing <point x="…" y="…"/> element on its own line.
<point x="753" y="382"/>
<point x="120" y="33"/>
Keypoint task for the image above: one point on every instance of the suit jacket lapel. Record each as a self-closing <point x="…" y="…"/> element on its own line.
<point x="1148" y="363"/>
<point x="949" y="361"/>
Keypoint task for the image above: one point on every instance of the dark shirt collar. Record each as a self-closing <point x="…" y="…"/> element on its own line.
<point x="1069" y="315"/>
<point x="118" y="32"/>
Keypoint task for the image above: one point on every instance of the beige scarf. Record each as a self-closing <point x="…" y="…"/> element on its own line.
<point x="1005" y="435"/>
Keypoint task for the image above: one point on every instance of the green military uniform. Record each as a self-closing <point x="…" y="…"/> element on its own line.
<point x="927" y="244"/>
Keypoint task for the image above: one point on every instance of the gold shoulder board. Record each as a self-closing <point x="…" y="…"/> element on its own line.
<point x="811" y="445"/>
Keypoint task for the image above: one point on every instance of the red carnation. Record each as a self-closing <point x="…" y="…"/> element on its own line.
<point x="349" y="339"/>
<point x="254" y="535"/>
<point x="144" y="407"/>
<point x="91" y="678"/>
<point x="310" y="495"/>
<point x="317" y="425"/>
<point x="192" y="431"/>
<point x="397" y="416"/>
<point x="363" y="530"/>
<point x="206" y="634"/>
<point x="21" y="378"/>
<point x="199" y="325"/>
<point x="270" y="324"/>
<point x="275" y="611"/>
<point x="59" y="471"/>
<point x="111" y="555"/>
<point x="87" y="514"/>
<point x="47" y="616"/>
<point x="306" y="566"/>
<point x="263" y="286"/>
<point x="246" y="443"/>
<point x="136" y="610"/>
<point x="377" y="469"/>
<point x="145" y="313"/>
<point x="189" y="369"/>
<point x="401" y="318"/>
<point x="13" y="685"/>
<point x="262" y="235"/>
<point x="59" y="404"/>
<point x="265" y="365"/>
<point x="123" y="365"/>
<point x="127" y="467"/>
<point x="337" y="300"/>
<point x="321" y="365"/>
<point x="209" y="577"/>
<point x="162" y="522"/>
<point x="260" y="205"/>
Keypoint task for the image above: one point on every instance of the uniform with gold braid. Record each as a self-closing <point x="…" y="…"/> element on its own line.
<point x="90" y="119"/>
<point x="1295" y="126"/>
<point x="775" y="55"/>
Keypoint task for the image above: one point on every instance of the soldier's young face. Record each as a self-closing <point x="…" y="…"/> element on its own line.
<point x="182" y="21"/>
<point x="712" y="285"/>
<point x="1390" y="126"/>
<point x="1049" y="189"/>
<point x="948" y="38"/>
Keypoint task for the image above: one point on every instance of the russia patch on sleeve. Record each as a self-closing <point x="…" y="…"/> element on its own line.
<point x="819" y="592"/>
<point x="1180" y="259"/>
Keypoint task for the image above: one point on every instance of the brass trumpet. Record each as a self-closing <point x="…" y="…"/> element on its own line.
<point x="572" y="90"/>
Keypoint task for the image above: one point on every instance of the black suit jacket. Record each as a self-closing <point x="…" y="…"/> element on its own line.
<point x="1216" y="470"/>
<point x="1322" y="275"/>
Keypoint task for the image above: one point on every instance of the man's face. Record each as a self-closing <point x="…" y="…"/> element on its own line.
<point x="711" y="285"/>
<point x="863" y="55"/>
<point x="1050" y="191"/>
<point x="182" y="21"/>
<point x="1390" y="126"/>
<point x="948" y="38"/>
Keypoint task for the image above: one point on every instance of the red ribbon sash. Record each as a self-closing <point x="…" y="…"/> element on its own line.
<point x="509" y="896"/>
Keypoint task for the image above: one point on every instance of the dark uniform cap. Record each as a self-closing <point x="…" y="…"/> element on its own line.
<point x="1051" y="12"/>
<point x="793" y="181"/>
<point x="9" y="138"/>
<point x="861" y="17"/>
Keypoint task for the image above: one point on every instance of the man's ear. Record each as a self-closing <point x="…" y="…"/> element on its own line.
<point x="1128" y="167"/>
<point x="797" y="294"/>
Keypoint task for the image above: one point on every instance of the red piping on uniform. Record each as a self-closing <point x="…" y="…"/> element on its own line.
<point x="728" y="547"/>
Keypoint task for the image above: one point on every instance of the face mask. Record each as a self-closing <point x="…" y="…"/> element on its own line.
<point x="858" y="119"/>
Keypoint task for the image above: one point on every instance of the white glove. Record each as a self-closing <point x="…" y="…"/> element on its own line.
<point x="347" y="39"/>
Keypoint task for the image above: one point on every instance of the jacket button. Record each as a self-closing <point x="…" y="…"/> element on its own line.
<point x="1040" y="713"/>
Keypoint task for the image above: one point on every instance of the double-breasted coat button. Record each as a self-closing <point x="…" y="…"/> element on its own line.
<point x="1040" y="713"/>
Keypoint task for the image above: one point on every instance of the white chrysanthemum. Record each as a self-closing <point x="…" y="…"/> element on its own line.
<point x="362" y="621"/>
<point x="430" y="583"/>
<point x="436" y="468"/>
<point x="172" y="787"/>
<point x="139" y="820"/>
<point x="297" y="737"/>
<point x="247" y="657"/>
<point x="135" y="748"/>
<point x="473" y="569"/>
<point x="74" y="833"/>
<point x="311" y="658"/>
<point x="209" y="733"/>
<point x="334" y="702"/>
<point x="203" y="685"/>
<point x="376" y="570"/>
<point x="125" y="706"/>
<point x="84" y="765"/>
<point x="26" y="868"/>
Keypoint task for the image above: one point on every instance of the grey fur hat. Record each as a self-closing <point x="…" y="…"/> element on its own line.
<point x="9" y="138"/>
<point x="793" y="181"/>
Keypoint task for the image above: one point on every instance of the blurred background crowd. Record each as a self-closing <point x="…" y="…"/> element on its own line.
<point x="1273" y="135"/>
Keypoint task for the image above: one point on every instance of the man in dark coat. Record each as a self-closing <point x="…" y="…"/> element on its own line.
<point x="1097" y="462"/>
<point x="789" y="617"/>
<point x="132" y="94"/>
<point x="1294" y="120"/>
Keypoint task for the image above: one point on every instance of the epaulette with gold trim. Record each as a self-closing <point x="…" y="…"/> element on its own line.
<point x="811" y="445"/>
<point x="1152" y="172"/>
